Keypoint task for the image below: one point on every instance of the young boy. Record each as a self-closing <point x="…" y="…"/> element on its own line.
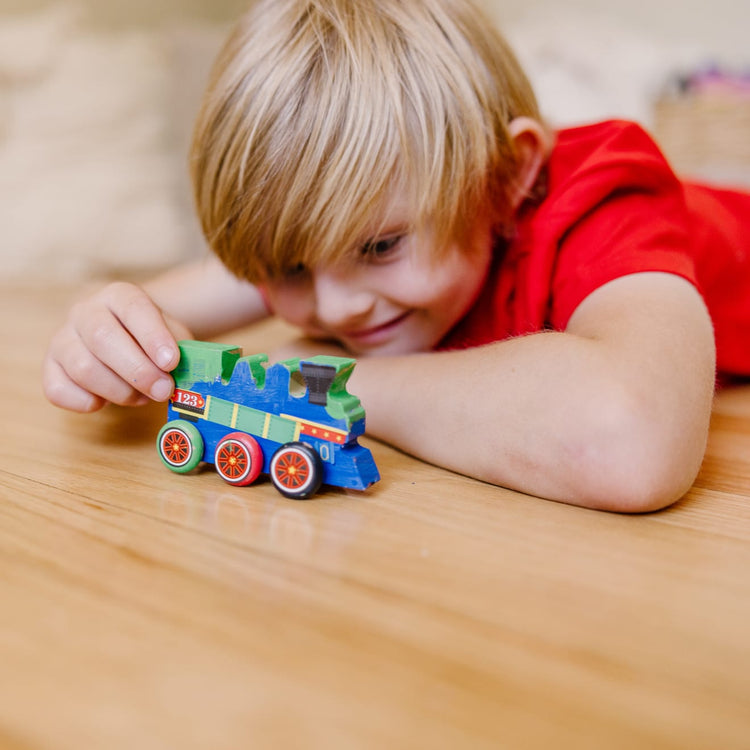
<point x="533" y="309"/>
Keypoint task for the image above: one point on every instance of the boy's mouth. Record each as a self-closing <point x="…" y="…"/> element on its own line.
<point x="375" y="334"/>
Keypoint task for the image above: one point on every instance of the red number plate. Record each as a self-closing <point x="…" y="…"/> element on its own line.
<point x="189" y="399"/>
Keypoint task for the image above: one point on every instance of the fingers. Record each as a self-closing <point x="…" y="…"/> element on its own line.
<point x="116" y="347"/>
<point x="64" y="392"/>
<point x="142" y="320"/>
<point x="104" y="346"/>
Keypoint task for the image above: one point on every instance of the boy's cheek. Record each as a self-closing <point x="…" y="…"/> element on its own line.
<point x="289" y="304"/>
<point x="263" y="291"/>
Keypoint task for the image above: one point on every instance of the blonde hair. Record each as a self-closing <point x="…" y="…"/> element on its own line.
<point x="317" y="109"/>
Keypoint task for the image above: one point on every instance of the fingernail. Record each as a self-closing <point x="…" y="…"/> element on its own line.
<point x="161" y="390"/>
<point x="164" y="357"/>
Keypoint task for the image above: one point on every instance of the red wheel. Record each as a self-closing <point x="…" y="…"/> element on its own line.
<point x="238" y="459"/>
<point x="180" y="445"/>
<point x="296" y="470"/>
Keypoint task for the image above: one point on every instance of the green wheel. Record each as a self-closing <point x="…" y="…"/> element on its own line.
<point x="180" y="445"/>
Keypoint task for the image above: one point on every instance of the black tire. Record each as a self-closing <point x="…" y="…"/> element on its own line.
<point x="296" y="470"/>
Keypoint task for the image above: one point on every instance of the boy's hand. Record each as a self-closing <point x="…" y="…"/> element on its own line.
<point x="116" y="346"/>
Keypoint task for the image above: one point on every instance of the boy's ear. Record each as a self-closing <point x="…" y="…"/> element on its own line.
<point x="532" y="145"/>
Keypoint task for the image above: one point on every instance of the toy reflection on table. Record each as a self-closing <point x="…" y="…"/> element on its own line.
<point x="293" y="420"/>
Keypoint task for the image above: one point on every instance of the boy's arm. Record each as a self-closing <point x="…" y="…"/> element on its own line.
<point x="206" y="298"/>
<point x="119" y="344"/>
<point x="613" y="413"/>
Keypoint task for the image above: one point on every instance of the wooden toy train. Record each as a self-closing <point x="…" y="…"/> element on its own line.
<point x="293" y="420"/>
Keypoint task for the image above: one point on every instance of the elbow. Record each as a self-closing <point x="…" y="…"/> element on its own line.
<point x="635" y="459"/>
<point x="640" y="490"/>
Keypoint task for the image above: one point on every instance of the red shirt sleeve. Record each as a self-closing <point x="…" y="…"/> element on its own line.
<point x="632" y="231"/>
<point x="627" y="215"/>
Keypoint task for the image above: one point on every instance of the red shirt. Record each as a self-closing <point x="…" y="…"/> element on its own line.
<point x="614" y="207"/>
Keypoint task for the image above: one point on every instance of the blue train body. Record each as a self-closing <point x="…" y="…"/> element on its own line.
<point x="293" y="420"/>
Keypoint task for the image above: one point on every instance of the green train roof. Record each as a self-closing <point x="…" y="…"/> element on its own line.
<point x="208" y="362"/>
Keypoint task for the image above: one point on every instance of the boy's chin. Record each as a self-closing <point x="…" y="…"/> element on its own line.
<point x="389" y="349"/>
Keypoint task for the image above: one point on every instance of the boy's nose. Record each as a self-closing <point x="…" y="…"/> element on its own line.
<point x="339" y="301"/>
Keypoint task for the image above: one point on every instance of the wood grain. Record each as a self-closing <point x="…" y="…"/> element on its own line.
<point x="142" y="609"/>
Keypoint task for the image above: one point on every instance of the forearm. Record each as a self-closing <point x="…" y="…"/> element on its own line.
<point x="552" y="415"/>
<point x="206" y="298"/>
<point x="510" y="414"/>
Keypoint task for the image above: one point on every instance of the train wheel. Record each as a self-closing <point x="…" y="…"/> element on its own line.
<point x="296" y="470"/>
<point x="180" y="445"/>
<point x="238" y="459"/>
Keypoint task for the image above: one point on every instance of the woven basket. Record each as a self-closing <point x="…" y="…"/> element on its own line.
<point x="706" y="134"/>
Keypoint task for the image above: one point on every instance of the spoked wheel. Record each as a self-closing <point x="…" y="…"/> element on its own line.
<point x="180" y="445"/>
<point x="296" y="470"/>
<point x="238" y="459"/>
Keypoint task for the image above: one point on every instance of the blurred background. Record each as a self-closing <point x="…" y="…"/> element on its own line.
<point x="97" y="99"/>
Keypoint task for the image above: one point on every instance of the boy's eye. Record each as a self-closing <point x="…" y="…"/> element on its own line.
<point x="377" y="249"/>
<point x="296" y="271"/>
<point x="294" y="274"/>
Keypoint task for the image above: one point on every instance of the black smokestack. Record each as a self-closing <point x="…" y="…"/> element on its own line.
<point x="318" y="379"/>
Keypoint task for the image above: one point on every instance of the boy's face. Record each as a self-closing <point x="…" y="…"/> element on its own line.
<point x="389" y="297"/>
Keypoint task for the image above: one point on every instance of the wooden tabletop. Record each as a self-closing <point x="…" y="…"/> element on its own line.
<point x="144" y="609"/>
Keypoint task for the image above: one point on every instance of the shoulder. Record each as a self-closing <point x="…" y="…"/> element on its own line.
<point x="609" y="152"/>
<point x="604" y="130"/>
<point x="614" y="207"/>
<point x="611" y="137"/>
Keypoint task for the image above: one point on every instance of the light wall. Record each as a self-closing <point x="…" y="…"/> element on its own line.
<point x="723" y="25"/>
<point x="121" y="13"/>
<point x="720" y="26"/>
<point x="96" y="108"/>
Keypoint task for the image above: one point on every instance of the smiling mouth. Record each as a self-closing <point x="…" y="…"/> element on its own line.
<point x="372" y="335"/>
